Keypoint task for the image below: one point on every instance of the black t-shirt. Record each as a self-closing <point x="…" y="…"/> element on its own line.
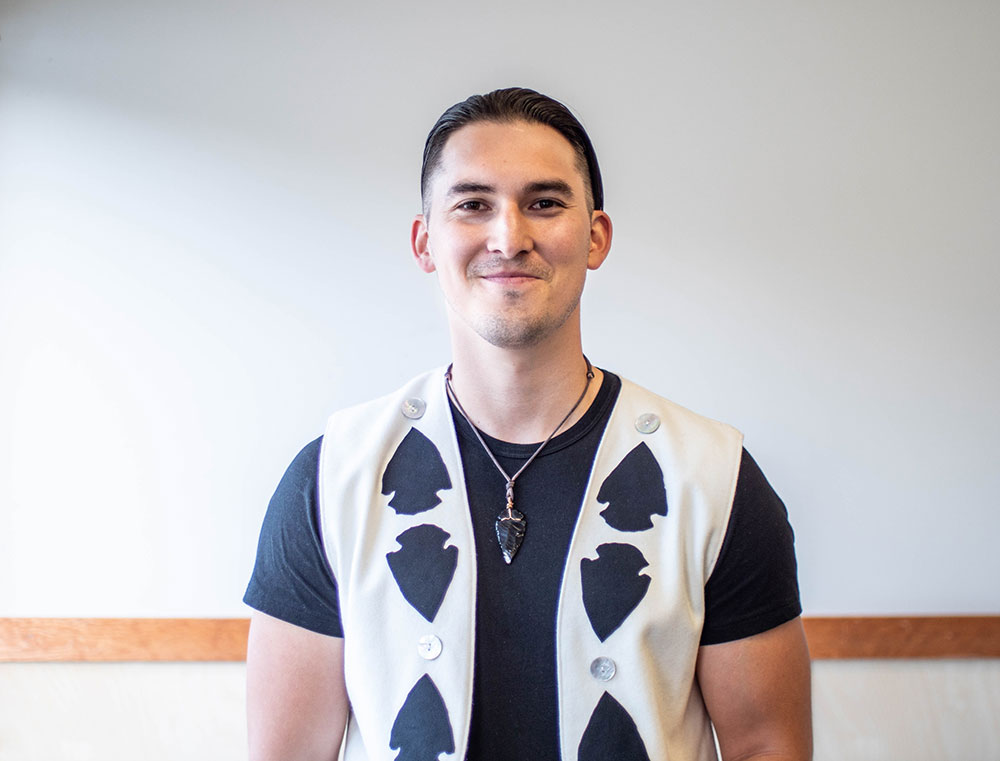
<point x="753" y="586"/>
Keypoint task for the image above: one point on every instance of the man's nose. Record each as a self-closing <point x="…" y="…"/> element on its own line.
<point x="510" y="233"/>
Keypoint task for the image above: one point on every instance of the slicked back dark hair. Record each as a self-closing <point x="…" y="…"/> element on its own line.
<point x="513" y="104"/>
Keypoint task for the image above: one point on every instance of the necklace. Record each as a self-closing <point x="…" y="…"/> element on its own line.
<point x="511" y="524"/>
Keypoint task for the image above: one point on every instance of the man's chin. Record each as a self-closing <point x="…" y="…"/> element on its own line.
<point x="515" y="328"/>
<point x="517" y="332"/>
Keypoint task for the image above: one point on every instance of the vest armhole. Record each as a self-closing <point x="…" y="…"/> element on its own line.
<point x="730" y="500"/>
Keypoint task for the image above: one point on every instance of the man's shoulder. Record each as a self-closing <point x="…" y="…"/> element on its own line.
<point x="652" y="410"/>
<point x="410" y="400"/>
<point x="373" y="429"/>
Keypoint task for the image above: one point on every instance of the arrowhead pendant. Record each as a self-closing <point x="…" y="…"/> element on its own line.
<point x="510" y="532"/>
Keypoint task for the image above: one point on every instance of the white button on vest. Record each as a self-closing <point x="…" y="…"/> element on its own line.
<point x="429" y="647"/>
<point x="647" y="423"/>
<point x="602" y="669"/>
<point x="414" y="408"/>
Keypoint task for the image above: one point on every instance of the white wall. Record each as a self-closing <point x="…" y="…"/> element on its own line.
<point x="204" y="212"/>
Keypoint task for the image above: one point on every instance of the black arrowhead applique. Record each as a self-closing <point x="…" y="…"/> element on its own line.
<point x="612" y="586"/>
<point x="611" y="733"/>
<point x="634" y="492"/>
<point x="422" y="731"/>
<point x="424" y="567"/>
<point x="415" y="473"/>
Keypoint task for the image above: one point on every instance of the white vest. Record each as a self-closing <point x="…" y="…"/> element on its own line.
<point x="647" y="664"/>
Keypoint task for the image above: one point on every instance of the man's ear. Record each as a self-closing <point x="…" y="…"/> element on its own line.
<point x="600" y="239"/>
<point x="419" y="244"/>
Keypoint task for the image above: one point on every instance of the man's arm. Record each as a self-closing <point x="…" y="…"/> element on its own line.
<point x="296" y="699"/>
<point x="757" y="692"/>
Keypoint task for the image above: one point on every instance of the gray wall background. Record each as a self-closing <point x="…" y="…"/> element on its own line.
<point x="204" y="215"/>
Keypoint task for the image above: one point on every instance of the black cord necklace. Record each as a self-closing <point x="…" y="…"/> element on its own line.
<point x="511" y="524"/>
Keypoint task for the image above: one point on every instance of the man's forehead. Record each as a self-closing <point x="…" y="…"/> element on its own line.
<point x="536" y="151"/>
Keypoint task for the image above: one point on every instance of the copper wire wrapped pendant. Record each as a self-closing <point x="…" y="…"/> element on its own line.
<point x="510" y="532"/>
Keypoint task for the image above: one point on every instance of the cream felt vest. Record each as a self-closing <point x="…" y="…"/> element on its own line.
<point x="399" y="660"/>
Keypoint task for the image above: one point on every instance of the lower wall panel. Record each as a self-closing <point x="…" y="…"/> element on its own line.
<point x="907" y="710"/>
<point x="122" y="712"/>
<point x="872" y="710"/>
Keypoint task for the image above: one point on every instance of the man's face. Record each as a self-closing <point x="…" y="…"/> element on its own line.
<point x="509" y="233"/>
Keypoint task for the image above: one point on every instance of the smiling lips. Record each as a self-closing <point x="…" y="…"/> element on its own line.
<point x="488" y="271"/>
<point x="509" y="278"/>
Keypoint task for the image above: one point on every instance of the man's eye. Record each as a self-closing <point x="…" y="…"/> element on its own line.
<point x="546" y="203"/>
<point x="471" y="206"/>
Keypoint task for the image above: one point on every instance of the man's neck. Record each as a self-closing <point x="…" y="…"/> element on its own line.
<point x="520" y="395"/>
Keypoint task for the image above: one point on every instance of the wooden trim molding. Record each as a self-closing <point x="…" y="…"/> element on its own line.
<point x="904" y="637"/>
<point x="224" y="639"/>
<point x="123" y="639"/>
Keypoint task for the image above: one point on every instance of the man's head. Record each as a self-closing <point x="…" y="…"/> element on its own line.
<point x="509" y="224"/>
<point x="513" y="104"/>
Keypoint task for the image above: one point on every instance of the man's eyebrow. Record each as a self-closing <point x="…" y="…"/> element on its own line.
<point x="461" y="188"/>
<point x="550" y="186"/>
<point x="539" y="186"/>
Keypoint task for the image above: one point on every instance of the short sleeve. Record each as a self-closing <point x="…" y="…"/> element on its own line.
<point x="291" y="578"/>
<point x="754" y="585"/>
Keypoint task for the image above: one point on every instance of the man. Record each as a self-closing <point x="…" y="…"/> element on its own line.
<point x="523" y="557"/>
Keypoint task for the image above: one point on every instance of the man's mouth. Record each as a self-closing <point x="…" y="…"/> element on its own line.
<point x="510" y="277"/>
